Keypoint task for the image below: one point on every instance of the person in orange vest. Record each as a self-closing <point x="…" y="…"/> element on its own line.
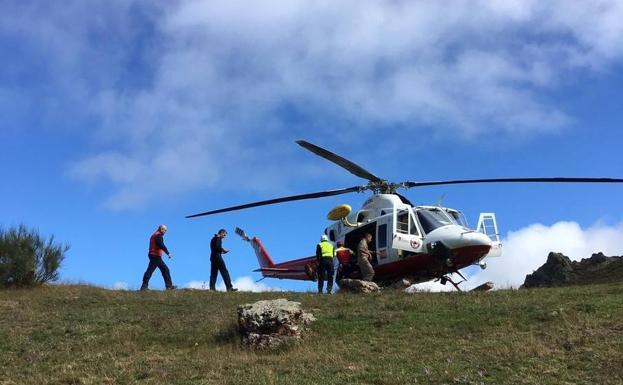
<point x="346" y="259"/>
<point x="156" y="248"/>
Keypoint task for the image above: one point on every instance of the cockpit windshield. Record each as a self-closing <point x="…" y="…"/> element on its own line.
<point x="432" y="219"/>
<point x="457" y="217"/>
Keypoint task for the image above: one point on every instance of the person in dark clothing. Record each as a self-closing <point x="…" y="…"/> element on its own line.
<point x="324" y="256"/>
<point x="156" y="248"/>
<point x="217" y="263"/>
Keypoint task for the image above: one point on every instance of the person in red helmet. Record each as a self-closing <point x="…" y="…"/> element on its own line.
<point x="345" y="258"/>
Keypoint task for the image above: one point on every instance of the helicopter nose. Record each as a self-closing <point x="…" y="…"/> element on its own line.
<point x="475" y="238"/>
<point x="456" y="237"/>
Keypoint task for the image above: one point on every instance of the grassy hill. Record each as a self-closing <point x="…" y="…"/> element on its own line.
<point x="86" y="335"/>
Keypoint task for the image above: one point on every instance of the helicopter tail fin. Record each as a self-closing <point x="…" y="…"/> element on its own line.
<point x="262" y="255"/>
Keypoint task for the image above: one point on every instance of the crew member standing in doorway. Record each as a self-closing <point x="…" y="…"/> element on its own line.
<point x="324" y="255"/>
<point x="364" y="256"/>
<point x="156" y="248"/>
<point x="216" y="261"/>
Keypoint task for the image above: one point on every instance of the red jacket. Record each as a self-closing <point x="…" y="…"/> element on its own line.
<point x="344" y="255"/>
<point x="154" y="249"/>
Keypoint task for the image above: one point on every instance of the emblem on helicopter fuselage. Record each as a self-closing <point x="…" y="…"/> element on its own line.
<point x="415" y="243"/>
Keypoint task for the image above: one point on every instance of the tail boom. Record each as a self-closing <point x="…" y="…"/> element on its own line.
<point x="299" y="269"/>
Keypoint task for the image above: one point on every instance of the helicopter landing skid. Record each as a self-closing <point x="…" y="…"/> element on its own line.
<point x="446" y="278"/>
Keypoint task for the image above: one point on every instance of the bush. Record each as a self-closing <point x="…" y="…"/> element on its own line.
<point x="27" y="259"/>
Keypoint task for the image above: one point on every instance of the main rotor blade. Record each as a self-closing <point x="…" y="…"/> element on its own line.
<point x="342" y="162"/>
<point x="514" y="180"/>
<point x="319" y="194"/>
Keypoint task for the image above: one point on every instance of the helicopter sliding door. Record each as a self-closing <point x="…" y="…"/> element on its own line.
<point x="351" y="240"/>
<point x="383" y="236"/>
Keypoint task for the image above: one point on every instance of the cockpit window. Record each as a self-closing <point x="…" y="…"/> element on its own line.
<point x="405" y="223"/>
<point x="430" y="220"/>
<point x="457" y="217"/>
<point x="413" y="229"/>
<point x="361" y="216"/>
<point x="402" y="222"/>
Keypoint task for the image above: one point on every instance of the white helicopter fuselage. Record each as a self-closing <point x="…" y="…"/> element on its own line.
<point x="418" y="241"/>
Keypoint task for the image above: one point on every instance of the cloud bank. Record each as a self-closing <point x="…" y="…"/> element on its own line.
<point x="187" y="89"/>
<point x="525" y="250"/>
<point x="241" y="283"/>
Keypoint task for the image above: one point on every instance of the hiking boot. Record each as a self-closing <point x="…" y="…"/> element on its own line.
<point x="232" y="289"/>
<point x="143" y="289"/>
<point x="172" y="287"/>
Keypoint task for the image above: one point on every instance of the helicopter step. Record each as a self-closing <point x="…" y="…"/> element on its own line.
<point x="488" y="226"/>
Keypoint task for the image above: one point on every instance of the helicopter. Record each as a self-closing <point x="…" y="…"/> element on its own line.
<point x="418" y="243"/>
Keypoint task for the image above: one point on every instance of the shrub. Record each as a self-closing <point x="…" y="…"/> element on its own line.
<point x="27" y="259"/>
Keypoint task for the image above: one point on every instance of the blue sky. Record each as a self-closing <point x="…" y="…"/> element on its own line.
<point x="118" y="116"/>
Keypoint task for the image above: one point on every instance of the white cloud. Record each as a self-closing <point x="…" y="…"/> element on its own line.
<point x="182" y="91"/>
<point x="120" y="286"/>
<point x="526" y="250"/>
<point x="198" y="285"/>
<point x="430" y="286"/>
<point x="241" y="283"/>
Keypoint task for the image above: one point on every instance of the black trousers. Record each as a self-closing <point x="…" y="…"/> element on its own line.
<point x="157" y="262"/>
<point x="344" y="271"/>
<point x="325" y="271"/>
<point x="218" y="264"/>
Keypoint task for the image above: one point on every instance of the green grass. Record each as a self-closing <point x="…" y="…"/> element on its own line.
<point x="86" y="335"/>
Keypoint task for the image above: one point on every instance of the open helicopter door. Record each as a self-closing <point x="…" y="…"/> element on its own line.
<point x="383" y="250"/>
<point x="488" y="226"/>
<point x="407" y="236"/>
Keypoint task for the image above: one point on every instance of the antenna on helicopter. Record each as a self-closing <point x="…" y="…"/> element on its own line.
<point x="440" y="200"/>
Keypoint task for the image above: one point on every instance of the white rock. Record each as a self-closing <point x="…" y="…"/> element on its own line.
<point x="272" y="323"/>
<point x="358" y="286"/>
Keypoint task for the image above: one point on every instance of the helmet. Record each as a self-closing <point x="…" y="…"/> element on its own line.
<point x="340" y="244"/>
<point x="323" y="238"/>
